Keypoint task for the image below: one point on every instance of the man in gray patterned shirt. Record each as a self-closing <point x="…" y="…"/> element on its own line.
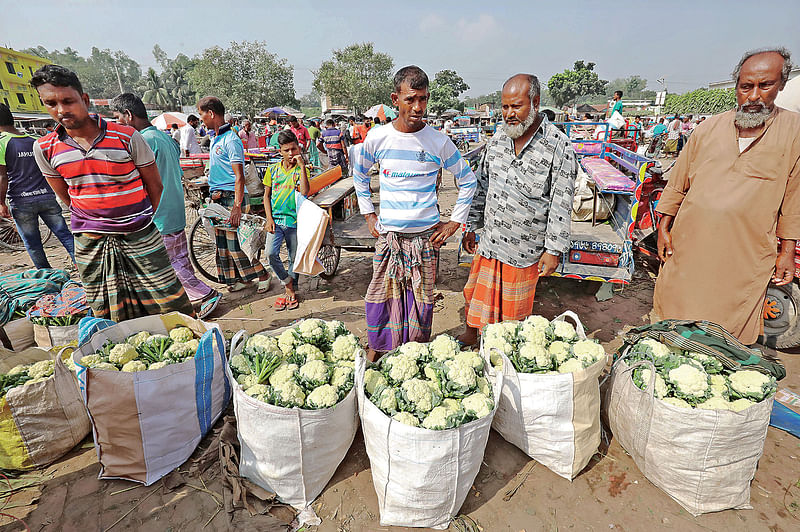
<point x="523" y="205"/>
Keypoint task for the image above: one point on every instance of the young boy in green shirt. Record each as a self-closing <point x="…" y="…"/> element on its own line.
<point x="280" y="182"/>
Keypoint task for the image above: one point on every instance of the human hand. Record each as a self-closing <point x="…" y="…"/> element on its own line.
<point x="665" y="249"/>
<point x="372" y="221"/>
<point x="468" y="242"/>
<point x="298" y="159"/>
<point x="236" y="216"/>
<point x="784" y="267"/>
<point x="442" y="231"/>
<point x="269" y="227"/>
<point x="548" y="264"/>
<point x="4" y="212"/>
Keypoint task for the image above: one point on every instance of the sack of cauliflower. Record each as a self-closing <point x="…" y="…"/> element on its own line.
<point x="153" y="386"/>
<point x="419" y="404"/>
<point x="550" y="407"/>
<point x="295" y="406"/>
<point x="42" y="415"/>
<point x="694" y="427"/>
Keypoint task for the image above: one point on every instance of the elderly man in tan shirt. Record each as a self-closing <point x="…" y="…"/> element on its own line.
<point x="732" y="195"/>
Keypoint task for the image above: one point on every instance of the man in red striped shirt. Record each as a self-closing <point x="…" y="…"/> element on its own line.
<point x="106" y="173"/>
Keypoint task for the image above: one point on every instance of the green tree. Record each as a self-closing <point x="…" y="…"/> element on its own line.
<point x="246" y="76"/>
<point x="566" y="87"/>
<point x="154" y="91"/>
<point x="451" y="79"/>
<point x="356" y="76"/>
<point x="445" y="88"/>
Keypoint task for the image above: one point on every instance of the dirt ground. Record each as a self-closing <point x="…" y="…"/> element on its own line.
<point x="511" y="492"/>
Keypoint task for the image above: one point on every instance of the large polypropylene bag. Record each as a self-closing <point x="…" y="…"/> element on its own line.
<point x="421" y="476"/>
<point x="704" y="459"/>
<point x="290" y="451"/>
<point x="147" y="423"/>
<point x="554" y="419"/>
<point x="41" y="421"/>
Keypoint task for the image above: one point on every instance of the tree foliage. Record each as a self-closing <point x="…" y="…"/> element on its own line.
<point x="701" y="101"/>
<point x="154" y="91"/>
<point x="356" y="76"/>
<point x="246" y="76"/>
<point x="445" y="88"/>
<point x="566" y="87"/>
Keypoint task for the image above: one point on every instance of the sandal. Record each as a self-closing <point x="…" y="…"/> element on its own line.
<point x="209" y="304"/>
<point x="263" y="286"/>
<point x="238" y="286"/>
<point x="292" y="303"/>
<point x="280" y="303"/>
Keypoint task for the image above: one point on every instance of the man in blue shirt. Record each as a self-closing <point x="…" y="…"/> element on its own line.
<point x="226" y="184"/>
<point x="29" y="195"/>
<point x="170" y="217"/>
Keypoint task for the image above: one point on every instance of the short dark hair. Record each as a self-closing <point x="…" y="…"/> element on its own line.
<point x="286" y="137"/>
<point x="377" y="120"/>
<point x="416" y="78"/>
<point x="6" y="118"/>
<point x="618" y="92"/>
<point x="127" y="101"/>
<point x="292" y="119"/>
<point x="192" y="118"/>
<point x="329" y="122"/>
<point x="211" y="103"/>
<point x="57" y="76"/>
<point x="174" y="126"/>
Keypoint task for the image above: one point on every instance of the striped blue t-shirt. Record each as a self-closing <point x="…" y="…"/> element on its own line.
<point x="409" y="163"/>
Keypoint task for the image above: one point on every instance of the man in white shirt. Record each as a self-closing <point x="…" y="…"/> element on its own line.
<point x="175" y="133"/>
<point x="188" y="142"/>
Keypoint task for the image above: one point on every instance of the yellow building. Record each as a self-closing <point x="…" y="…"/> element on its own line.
<point x="16" y="70"/>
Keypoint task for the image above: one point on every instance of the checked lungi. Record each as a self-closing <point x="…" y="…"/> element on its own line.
<point x="128" y="275"/>
<point x="498" y="292"/>
<point x="232" y="263"/>
<point x="399" y="300"/>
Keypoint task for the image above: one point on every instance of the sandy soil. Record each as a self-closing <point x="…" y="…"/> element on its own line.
<point x="611" y="493"/>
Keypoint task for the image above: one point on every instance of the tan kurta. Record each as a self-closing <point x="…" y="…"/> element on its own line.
<point x="729" y="207"/>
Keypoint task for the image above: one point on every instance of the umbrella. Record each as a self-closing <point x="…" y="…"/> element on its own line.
<point x="274" y="111"/>
<point x="165" y="120"/>
<point x="381" y="111"/>
<point x="449" y="112"/>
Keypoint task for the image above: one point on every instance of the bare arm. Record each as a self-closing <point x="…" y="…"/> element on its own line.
<point x="152" y="183"/>
<point x="3" y="191"/>
<point x="784" y="265"/>
<point x="238" y="194"/>
<point x="270" y="226"/>
<point x="61" y="189"/>
<point x="304" y="185"/>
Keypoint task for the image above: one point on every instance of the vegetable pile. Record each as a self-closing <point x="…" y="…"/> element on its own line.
<point x="25" y="374"/>
<point x="696" y="380"/>
<point x="309" y="366"/>
<point x="143" y="351"/>
<point x="434" y="386"/>
<point x="58" y="321"/>
<point x="537" y="345"/>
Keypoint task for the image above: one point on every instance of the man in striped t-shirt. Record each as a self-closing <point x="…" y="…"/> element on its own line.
<point x="399" y="300"/>
<point x="106" y="173"/>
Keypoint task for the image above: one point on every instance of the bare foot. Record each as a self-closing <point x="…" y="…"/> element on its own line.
<point x="372" y="355"/>
<point x="469" y="337"/>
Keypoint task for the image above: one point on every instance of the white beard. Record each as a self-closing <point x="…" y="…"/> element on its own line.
<point x="749" y="120"/>
<point x="517" y="130"/>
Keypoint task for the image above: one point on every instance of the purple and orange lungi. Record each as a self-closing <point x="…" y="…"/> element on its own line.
<point x="399" y="300"/>
<point x="178" y="251"/>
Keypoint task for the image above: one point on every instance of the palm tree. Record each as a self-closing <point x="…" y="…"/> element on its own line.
<point x="155" y="92"/>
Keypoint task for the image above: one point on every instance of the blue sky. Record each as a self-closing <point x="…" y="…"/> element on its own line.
<point x="690" y="43"/>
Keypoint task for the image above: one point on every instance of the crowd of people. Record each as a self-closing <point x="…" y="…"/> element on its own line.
<point x="122" y="182"/>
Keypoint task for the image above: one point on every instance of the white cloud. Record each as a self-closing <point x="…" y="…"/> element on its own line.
<point x="480" y="28"/>
<point x="431" y="22"/>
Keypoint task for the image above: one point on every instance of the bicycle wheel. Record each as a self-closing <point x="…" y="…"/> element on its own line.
<point x="203" y="251"/>
<point x="9" y="236"/>
<point x="44" y="232"/>
<point x="329" y="256"/>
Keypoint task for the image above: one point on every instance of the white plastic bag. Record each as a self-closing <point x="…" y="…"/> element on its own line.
<point x="554" y="419"/>
<point x="616" y="120"/>
<point x="421" y="476"/>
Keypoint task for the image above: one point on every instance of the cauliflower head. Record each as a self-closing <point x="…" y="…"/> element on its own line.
<point x="533" y="357"/>
<point x="710" y="364"/>
<point x="246" y="381"/>
<point x="385" y="398"/>
<point x="264" y="342"/>
<point x="324" y="396"/>
<point x="588" y="352"/>
<point x="484" y="387"/>
<point x="498" y="344"/>
<point x="444" y="347"/>
<point x="536" y="322"/>
<point x="373" y="379"/>
<point x="714" y="403"/>
<point x="238" y="363"/>
<point x="749" y="384"/>
<point x="121" y="354"/>
<point x="674" y="401"/>
<point x="106" y="366"/>
<point x="342" y="377"/>
<point x="314" y="373"/>
<point x="563" y="330"/>
<point x="180" y="351"/>
<point x="419" y="395"/>
<point x="657" y="348"/>
<point x="413" y="350"/>
<point x="690" y="382"/>
<point x="472" y="359"/>
<point x="289" y="394"/>
<point x="159" y="365"/>
<point x="406" y="418"/>
<point x="461" y="378"/>
<point x="740" y="404"/>
<point x="334" y="329"/>
<point x="478" y="405"/>
<point x="287" y="341"/>
<point x="560" y="351"/>
<point x="573" y="365"/>
<point x="137" y="339"/>
<point x="533" y="335"/>
<point x="401" y="368"/>
<point x="312" y="330"/>
<point x="181" y="334"/>
<point x="194" y="344"/>
<point x="92" y="360"/>
<point x="310" y="352"/>
<point x="41" y="369"/>
<point x="284" y="372"/>
<point x="345" y="347"/>
<point x="641" y="378"/>
<point x="21" y="368"/>
<point x="257" y="390"/>
<point x="134" y="366"/>
<point x="440" y="418"/>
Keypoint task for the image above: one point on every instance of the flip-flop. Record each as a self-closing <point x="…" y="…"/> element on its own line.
<point x="280" y="303"/>
<point x="209" y="305"/>
<point x="263" y="286"/>
<point x="238" y="286"/>
<point x="292" y="304"/>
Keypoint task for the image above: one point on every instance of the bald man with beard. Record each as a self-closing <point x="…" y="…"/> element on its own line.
<point x="733" y="194"/>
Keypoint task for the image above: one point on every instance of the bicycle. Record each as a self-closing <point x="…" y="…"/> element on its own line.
<point x="11" y="239"/>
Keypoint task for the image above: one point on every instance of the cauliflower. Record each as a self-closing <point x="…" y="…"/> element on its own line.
<point x="133" y="366"/>
<point x="238" y="363"/>
<point x="444" y="347"/>
<point x="266" y="343"/>
<point x="459" y="378"/>
<point x="641" y="378"/>
<point x="401" y="368"/>
<point x="406" y="419"/>
<point x="471" y="358"/>
<point x="37" y="379"/>
<point x="533" y="335"/>
<point x="181" y="334"/>
<point x="385" y="398"/>
<point x="312" y="330"/>
<point x="440" y="418"/>
<point x="690" y="382"/>
<point x="501" y="345"/>
<point x="246" y="381"/>
<point x="154" y="339"/>
<point x="257" y="390"/>
<point x="373" y="379"/>
<point x="342" y="377"/>
<point x="346" y="364"/>
<point x="121" y="354"/>
<point x="710" y="364"/>
<point x="194" y="344"/>
<point x="588" y="352"/>
<point x="453" y="405"/>
<point x="478" y="405"/>
<point x="137" y="339"/>
<point x="314" y="373"/>
<point x="287" y="341"/>
<point x="719" y="386"/>
<point x="506" y="329"/>
<point x="484" y="387"/>
<point x="714" y="403"/>
<point x="674" y="401"/>
<point x="419" y="396"/>
<point x="533" y="358"/>
<point x="309" y="352"/>
<point x="92" y="360"/>
<point x="560" y="351"/>
<point x="413" y="350"/>
<point x="536" y="322"/>
<point x="21" y="368"/>
<point x="284" y="372"/>
<point x="289" y="394"/>
<point x="105" y="365"/>
<point x="747" y="384"/>
<point x="41" y="369"/>
<point x="572" y="365"/>
<point x="159" y="365"/>
<point x="334" y="329"/>
<point x="563" y="330"/>
<point x="323" y="397"/>
<point x="179" y="351"/>
<point x="345" y="347"/>
<point x="655" y="347"/>
<point x="741" y="404"/>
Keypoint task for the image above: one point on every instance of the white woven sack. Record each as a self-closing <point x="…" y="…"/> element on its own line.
<point x="421" y="476"/>
<point x="704" y="459"/>
<point x="554" y="419"/>
<point x="290" y="451"/>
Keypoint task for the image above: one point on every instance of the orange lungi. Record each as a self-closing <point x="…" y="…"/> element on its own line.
<point x="498" y="292"/>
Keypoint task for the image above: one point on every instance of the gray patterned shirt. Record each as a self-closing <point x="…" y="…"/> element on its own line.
<point x="523" y="203"/>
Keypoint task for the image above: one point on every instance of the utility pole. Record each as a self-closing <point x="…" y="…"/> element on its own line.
<point x="119" y="79"/>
